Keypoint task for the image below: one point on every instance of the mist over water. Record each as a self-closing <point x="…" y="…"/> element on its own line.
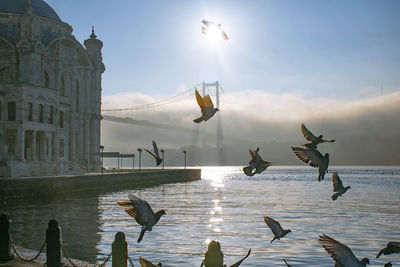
<point x="229" y="207"/>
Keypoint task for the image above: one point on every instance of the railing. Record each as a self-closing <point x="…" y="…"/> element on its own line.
<point x="73" y="166"/>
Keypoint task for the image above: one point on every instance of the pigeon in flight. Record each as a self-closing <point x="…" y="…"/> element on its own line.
<point x="210" y="25"/>
<point x="156" y="155"/>
<point x="256" y="162"/>
<point x="342" y="254"/>
<point x="276" y="228"/>
<point x="287" y="264"/>
<point x="314" y="141"/>
<point x="314" y="158"/>
<point x="147" y="263"/>
<point x="391" y="247"/>
<point x="141" y="211"/>
<point x="338" y="186"/>
<point x="206" y="106"/>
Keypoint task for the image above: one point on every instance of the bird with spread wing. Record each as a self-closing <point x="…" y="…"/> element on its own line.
<point x="147" y="263"/>
<point x="212" y="26"/>
<point x="391" y="247"/>
<point x="256" y="162"/>
<point x="206" y="106"/>
<point x="276" y="228"/>
<point x="342" y="254"/>
<point x="338" y="186"/>
<point x="314" y="158"/>
<point x="142" y="212"/>
<point x="156" y="155"/>
<point x="314" y="140"/>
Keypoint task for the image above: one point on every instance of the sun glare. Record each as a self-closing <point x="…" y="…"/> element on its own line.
<point x="214" y="34"/>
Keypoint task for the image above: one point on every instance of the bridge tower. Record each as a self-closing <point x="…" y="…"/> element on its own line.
<point x="219" y="127"/>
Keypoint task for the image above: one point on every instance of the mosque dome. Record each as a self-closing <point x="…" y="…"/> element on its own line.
<point x="39" y="7"/>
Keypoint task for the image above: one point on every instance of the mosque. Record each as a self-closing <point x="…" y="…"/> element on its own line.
<point x="50" y="93"/>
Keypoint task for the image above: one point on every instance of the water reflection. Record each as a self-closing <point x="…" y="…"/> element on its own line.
<point x="229" y="207"/>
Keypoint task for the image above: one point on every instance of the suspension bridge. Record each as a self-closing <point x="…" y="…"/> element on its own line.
<point x="115" y="114"/>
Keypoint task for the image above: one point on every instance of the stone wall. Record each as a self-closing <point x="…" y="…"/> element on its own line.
<point x="36" y="187"/>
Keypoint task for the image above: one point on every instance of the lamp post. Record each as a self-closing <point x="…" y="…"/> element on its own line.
<point x="162" y="152"/>
<point x="140" y="157"/>
<point x="133" y="162"/>
<point x="102" y="153"/>
<point x="184" y="152"/>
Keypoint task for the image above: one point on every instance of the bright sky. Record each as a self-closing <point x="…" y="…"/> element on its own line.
<point x="312" y="48"/>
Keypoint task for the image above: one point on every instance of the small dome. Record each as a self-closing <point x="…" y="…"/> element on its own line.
<point x="39" y="7"/>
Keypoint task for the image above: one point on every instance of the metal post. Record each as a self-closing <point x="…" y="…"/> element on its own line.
<point x="133" y="162"/>
<point x="140" y="157"/>
<point x="119" y="251"/>
<point x="53" y="244"/>
<point x="122" y="161"/>
<point x="184" y="152"/>
<point x="102" y="158"/>
<point x="118" y="165"/>
<point x="163" y="159"/>
<point x="5" y="242"/>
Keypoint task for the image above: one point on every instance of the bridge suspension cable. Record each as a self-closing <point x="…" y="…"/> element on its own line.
<point x="185" y="94"/>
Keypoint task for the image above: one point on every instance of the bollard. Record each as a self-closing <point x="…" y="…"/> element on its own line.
<point x="214" y="256"/>
<point x="119" y="251"/>
<point x="5" y="242"/>
<point x="53" y="244"/>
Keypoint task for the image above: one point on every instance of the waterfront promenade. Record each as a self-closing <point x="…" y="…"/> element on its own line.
<point x="18" y="188"/>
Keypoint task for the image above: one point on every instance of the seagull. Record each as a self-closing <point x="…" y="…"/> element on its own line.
<point x="206" y="106"/>
<point x="146" y="263"/>
<point x="276" y="228"/>
<point x="312" y="138"/>
<point x="342" y="254"/>
<point x="338" y="186"/>
<point x="287" y="264"/>
<point x="141" y="211"/>
<point x="391" y="247"/>
<point x="156" y="155"/>
<point x="314" y="158"/>
<point x="215" y="258"/>
<point x="210" y="25"/>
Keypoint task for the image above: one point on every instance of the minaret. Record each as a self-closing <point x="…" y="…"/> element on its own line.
<point x="93" y="49"/>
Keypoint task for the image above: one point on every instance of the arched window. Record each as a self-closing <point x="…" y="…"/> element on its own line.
<point x="62" y="85"/>
<point x="12" y="111"/>
<point x="77" y="96"/>
<point x="46" y="79"/>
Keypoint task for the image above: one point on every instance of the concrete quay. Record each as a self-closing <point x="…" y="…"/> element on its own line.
<point x="19" y="188"/>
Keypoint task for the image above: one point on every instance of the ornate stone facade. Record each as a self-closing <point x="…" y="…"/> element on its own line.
<point x="50" y="93"/>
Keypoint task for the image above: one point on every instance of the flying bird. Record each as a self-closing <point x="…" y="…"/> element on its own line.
<point x="314" y="158"/>
<point x="276" y="228"/>
<point x="342" y="254"/>
<point x="314" y="141"/>
<point x="256" y="162"/>
<point x="338" y="186"/>
<point x="391" y="247"/>
<point x="147" y="263"/>
<point x="141" y="211"/>
<point x="156" y="155"/>
<point x="237" y="264"/>
<point x="287" y="264"/>
<point x="206" y="106"/>
<point x="389" y="264"/>
<point x="212" y="26"/>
